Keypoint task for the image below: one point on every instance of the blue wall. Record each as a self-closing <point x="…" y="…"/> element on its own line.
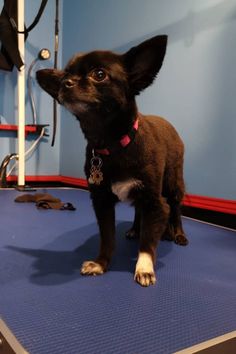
<point x="196" y="86"/>
<point x="45" y="161"/>
<point x="195" y="89"/>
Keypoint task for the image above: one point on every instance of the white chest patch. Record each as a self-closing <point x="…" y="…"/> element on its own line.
<point x="122" y="189"/>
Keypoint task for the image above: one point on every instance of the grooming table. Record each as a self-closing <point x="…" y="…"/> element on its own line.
<point x="47" y="307"/>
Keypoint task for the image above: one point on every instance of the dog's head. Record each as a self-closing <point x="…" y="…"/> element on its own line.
<point x="103" y="83"/>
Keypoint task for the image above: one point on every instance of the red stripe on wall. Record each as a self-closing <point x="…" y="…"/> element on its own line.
<point x="195" y="201"/>
<point x="80" y="182"/>
<point x="210" y="203"/>
<point x="36" y="178"/>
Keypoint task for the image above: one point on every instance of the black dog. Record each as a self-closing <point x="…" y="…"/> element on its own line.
<point x="129" y="156"/>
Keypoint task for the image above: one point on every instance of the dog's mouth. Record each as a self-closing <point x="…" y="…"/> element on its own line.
<point x="77" y="108"/>
<point x="85" y="108"/>
<point x="77" y="103"/>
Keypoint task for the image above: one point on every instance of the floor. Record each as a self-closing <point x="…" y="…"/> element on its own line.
<point x="51" y="308"/>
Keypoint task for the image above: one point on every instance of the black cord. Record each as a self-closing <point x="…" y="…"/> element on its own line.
<point x="3" y="168"/>
<point x="34" y="23"/>
<point x="55" y="67"/>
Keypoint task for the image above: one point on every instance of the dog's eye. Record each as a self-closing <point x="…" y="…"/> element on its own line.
<point x="98" y="75"/>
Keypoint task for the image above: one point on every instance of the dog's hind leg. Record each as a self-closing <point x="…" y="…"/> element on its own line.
<point x="154" y="217"/>
<point x="175" y="194"/>
<point x="104" y="207"/>
<point x="175" y="222"/>
<point x="134" y="232"/>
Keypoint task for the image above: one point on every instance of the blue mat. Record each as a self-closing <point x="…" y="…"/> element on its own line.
<point x="51" y="308"/>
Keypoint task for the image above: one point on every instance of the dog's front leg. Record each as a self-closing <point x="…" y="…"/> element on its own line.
<point x="154" y="217"/>
<point x="134" y="232"/>
<point x="104" y="208"/>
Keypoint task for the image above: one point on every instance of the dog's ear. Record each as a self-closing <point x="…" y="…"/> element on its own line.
<point x="50" y="80"/>
<point x="144" y="61"/>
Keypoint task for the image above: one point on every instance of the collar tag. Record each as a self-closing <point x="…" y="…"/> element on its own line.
<point x="96" y="175"/>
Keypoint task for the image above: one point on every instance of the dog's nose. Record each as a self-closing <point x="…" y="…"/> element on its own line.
<point x="69" y="83"/>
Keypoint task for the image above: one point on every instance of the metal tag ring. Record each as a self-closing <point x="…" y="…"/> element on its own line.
<point x="96" y="161"/>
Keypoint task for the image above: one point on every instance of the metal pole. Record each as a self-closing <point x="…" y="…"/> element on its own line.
<point x="21" y="97"/>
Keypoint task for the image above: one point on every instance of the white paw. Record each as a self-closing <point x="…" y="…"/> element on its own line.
<point x="91" y="268"/>
<point x="144" y="272"/>
<point x="145" y="279"/>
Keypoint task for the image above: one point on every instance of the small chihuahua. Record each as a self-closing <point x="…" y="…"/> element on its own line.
<point x="129" y="156"/>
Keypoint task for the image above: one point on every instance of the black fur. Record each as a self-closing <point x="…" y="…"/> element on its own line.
<point x="99" y="88"/>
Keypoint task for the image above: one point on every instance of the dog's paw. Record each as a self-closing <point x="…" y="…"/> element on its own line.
<point x="181" y="239"/>
<point x="144" y="272"/>
<point x="144" y="278"/>
<point x="91" y="268"/>
<point x="131" y="234"/>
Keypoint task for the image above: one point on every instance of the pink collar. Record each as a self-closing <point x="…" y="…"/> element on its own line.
<point x="123" y="142"/>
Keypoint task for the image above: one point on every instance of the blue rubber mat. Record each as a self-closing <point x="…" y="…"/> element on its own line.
<point x="51" y="308"/>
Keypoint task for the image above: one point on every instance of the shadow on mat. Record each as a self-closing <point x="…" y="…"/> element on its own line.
<point x="52" y="267"/>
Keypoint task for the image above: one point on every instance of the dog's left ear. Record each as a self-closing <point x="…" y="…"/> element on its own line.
<point x="144" y="61"/>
